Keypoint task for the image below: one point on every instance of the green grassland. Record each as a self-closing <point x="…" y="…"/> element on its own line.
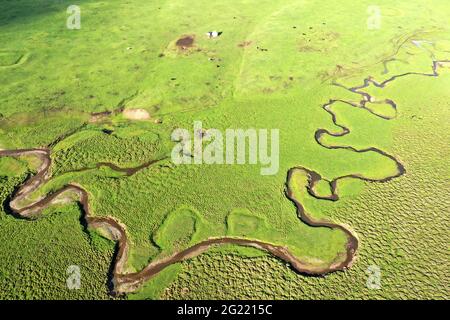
<point x="272" y="68"/>
<point x="402" y="235"/>
<point x="35" y="255"/>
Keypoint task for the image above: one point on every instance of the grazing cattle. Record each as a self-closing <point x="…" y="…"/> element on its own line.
<point x="213" y="34"/>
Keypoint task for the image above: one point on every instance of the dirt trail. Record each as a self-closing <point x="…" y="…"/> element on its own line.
<point x="123" y="282"/>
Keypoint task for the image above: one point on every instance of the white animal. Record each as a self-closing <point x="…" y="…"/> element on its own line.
<point x="212" y="34"/>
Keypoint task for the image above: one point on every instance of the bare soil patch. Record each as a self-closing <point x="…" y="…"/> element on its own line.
<point x="244" y="44"/>
<point x="136" y="114"/>
<point x="185" y="42"/>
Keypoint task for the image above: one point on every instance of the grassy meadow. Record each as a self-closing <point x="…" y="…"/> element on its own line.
<point x="273" y="67"/>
